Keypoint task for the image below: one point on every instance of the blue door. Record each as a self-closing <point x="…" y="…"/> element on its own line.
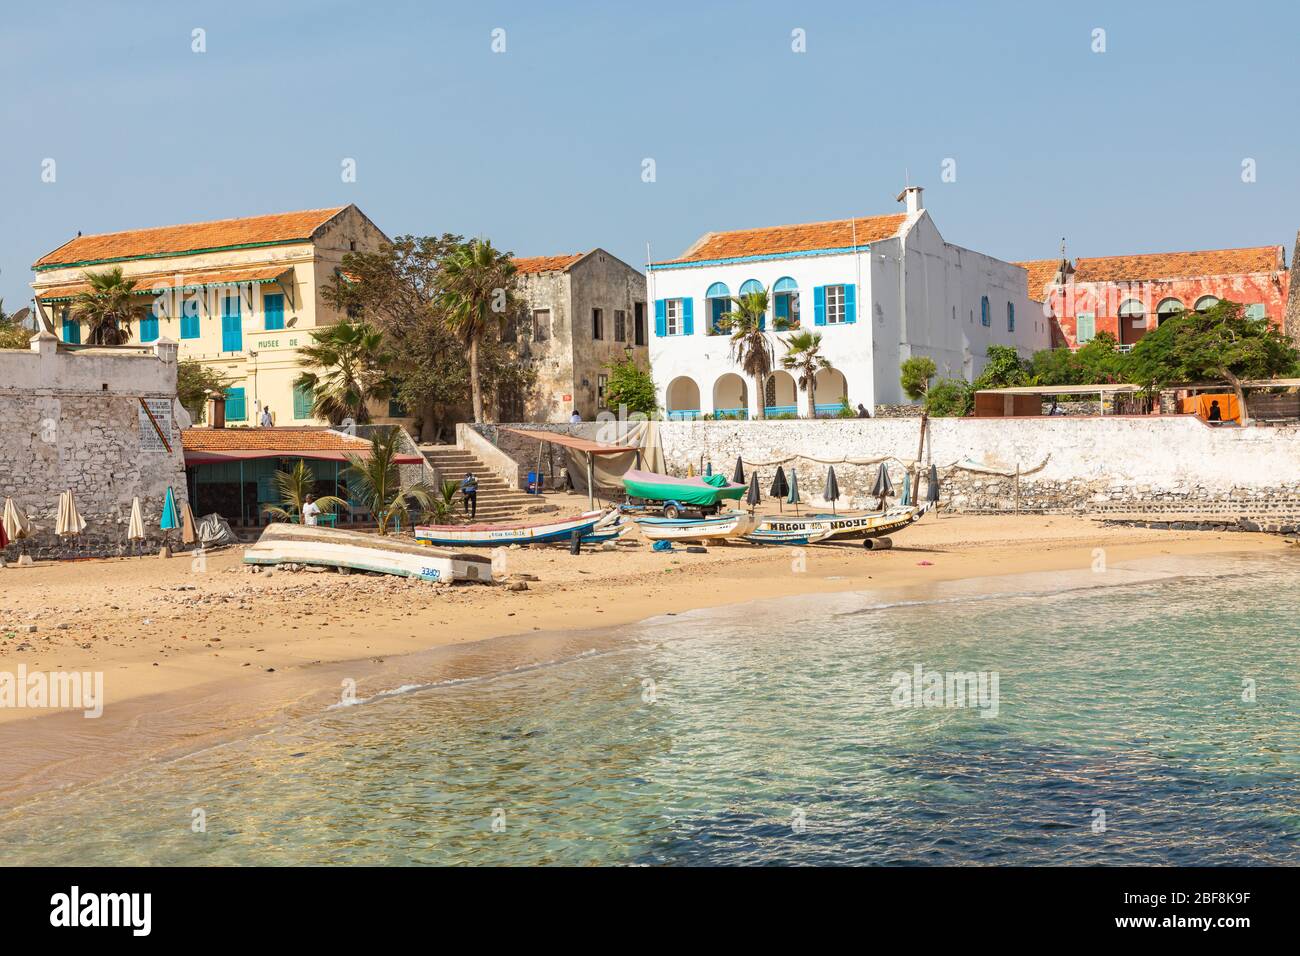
<point x="273" y="306"/>
<point x="232" y="333"/>
<point x="149" y="326"/>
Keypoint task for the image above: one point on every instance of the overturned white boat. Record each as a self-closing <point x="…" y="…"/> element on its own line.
<point x="283" y="543"/>
<point x="729" y="524"/>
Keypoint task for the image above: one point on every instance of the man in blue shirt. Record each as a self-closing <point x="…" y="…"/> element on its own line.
<point x="469" y="488"/>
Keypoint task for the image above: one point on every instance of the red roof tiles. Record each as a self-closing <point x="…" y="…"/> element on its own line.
<point x="152" y="282"/>
<point x="288" y="440"/>
<point x="1179" y="265"/>
<point x="534" y="264"/>
<point x="804" y="237"/>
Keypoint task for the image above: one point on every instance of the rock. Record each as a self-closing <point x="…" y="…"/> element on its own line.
<point x="517" y="586"/>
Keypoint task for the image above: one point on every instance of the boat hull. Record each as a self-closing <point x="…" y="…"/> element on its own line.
<point x="284" y="543"/>
<point x="841" y="527"/>
<point x="504" y="535"/>
<point x="734" y="524"/>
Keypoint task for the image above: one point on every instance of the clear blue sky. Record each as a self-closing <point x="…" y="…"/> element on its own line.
<point x="540" y="148"/>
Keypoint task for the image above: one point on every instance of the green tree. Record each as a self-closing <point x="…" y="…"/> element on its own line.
<point x="107" y="307"/>
<point x="12" y="333"/>
<point x="376" y="481"/>
<point x="630" y="385"/>
<point x="194" y="381"/>
<point x="949" y="398"/>
<point x="294" y="486"/>
<point x="1219" y="344"/>
<point x="750" y="347"/>
<point x="1004" y="369"/>
<point x="477" y="290"/>
<point x="915" y="376"/>
<point x="803" y="357"/>
<point x="353" y="368"/>
<point x="442" y="504"/>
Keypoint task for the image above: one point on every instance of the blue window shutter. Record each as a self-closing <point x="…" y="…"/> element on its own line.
<point x="189" y="325"/>
<point x="819" y="305"/>
<point x="236" y="407"/>
<point x="232" y="332"/>
<point x="71" y="331"/>
<point x="304" y="396"/>
<point x="149" y="327"/>
<point x="984" y="311"/>
<point x="718" y="308"/>
<point x="661" y="319"/>
<point x="273" y="308"/>
<point x="850" y="303"/>
<point x="688" y="316"/>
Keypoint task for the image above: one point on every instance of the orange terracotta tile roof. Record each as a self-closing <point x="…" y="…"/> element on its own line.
<point x="1042" y="273"/>
<point x="534" y="264"/>
<point x="149" y="283"/>
<point x="1179" y="265"/>
<point x="287" y="440"/>
<point x="804" y="237"/>
<point x="190" y="237"/>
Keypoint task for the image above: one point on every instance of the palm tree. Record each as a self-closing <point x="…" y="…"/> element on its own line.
<point x="294" y="486"/>
<point x="750" y="347"/>
<point x="354" y="369"/>
<point x="803" y="357"/>
<point x="442" y="505"/>
<point x="476" y="284"/>
<point x="376" y="481"/>
<point x="107" y="306"/>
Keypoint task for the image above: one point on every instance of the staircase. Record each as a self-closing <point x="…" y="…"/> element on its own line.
<point x="497" y="501"/>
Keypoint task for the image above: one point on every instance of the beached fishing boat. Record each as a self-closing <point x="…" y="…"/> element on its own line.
<point x="730" y="524"/>
<point x="677" y="496"/>
<point x="283" y="543"/>
<point x="872" y="524"/>
<point x="794" y="536"/>
<point x="551" y="531"/>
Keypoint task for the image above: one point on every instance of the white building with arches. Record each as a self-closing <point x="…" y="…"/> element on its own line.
<point x="878" y="289"/>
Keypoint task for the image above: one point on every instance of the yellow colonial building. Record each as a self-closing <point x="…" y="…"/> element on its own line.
<point x="239" y="295"/>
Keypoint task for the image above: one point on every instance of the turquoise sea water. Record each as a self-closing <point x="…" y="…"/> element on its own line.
<point x="770" y="733"/>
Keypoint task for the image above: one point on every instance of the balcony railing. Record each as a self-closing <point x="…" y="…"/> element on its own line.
<point x="771" y="411"/>
<point x="731" y="412"/>
<point x="827" y="409"/>
<point x="683" y="414"/>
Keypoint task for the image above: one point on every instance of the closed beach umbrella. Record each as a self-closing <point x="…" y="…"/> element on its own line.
<point x="831" y="492"/>
<point x="907" y="488"/>
<point x="780" y="487"/>
<point x="793" y="499"/>
<point x="883" y="486"/>
<point x="69" y="522"/>
<point x="932" y="485"/>
<point x="17" y="526"/>
<point x="754" y="497"/>
<point x="188" y="533"/>
<point x="739" y="476"/>
<point x="708" y="469"/>
<point x="169" y="519"/>
<point x="135" y="527"/>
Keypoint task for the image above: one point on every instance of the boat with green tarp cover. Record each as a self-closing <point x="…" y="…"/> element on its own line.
<point x="698" y="492"/>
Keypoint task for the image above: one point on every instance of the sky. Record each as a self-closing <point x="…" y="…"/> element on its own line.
<point x="1126" y="141"/>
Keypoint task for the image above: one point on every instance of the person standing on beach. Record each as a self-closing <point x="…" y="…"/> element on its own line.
<point x="469" y="488"/>
<point x="310" y="510"/>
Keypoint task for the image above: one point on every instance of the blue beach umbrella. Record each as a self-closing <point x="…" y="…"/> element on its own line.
<point x="831" y="492"/>
<point x="907" y="488"/>
<point x="708" y="469"/>
<point x="169" y="520"/>
<point x="932" y="486"/>
<point x="794" y="491"/>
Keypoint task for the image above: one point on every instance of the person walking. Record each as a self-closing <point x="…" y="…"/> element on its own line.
<point x="469" y="489"/>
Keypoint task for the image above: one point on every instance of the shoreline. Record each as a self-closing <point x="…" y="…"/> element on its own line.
<point x="242" y="671"/>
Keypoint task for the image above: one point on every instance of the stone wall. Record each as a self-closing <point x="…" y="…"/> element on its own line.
<point x="1111" y="464"/>
<point x="72" y="420"/>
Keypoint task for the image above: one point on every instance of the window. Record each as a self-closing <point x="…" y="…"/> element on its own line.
<point x="1256" y="312"/>
<point x="638" y="323"/>
<point x="786" y="303"/>
<point x="149" y="325"/>
<point x="236" y="406"/>
<point x="986" y="319"/>
<point x="304" y="397"/>
<point x="71" y="328"/>
<point x="602" y="382"/>
<point x="1085" y="327"/>
<point x="1131" y="310"/>
<point x="1011" y="317"/>
<point x="750" y="286"/>
<point x="232" y="332"/>
<point x="673" y="316"/>
<point x="1167" y="309"/>
<point x="834" y="304"/>
<point x="597" y="324"/>
<point x="620" y="325"/>
<point x="1206" y="302"/>
<point x="273" y="308"/>
<point x="719" y="300"/>
<point x="190" y="317"/>
<point x="396" y="409"/>
<point x="541" y="325"/>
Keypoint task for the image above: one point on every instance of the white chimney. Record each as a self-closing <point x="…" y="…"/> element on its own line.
<point x="913" y="196"/>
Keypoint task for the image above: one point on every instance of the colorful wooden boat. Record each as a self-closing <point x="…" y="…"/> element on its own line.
<point x="795" y="536"/>
<point x="729" y="524"/>
<point x="283" y="543"/>
<point x="553" y="531"/>
<point x="872" y="524"/>
<point x="679" y="495"/>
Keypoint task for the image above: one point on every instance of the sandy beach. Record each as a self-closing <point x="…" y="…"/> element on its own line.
<point x="194" y="652"/>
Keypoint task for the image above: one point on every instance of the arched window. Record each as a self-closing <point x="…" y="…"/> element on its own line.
<point x="719" y="301"/>
<point x="1167" y="308"/>
<point x="1206" y="302"/>
<point x="751" y="285"/>
<point x="1132" y="314"/>
<point x="786" y="303"/>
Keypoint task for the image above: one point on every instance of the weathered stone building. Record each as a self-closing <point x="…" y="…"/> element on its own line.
<point x="584" y="311"/>
<point x="1291" y="324"/>
<point x="76" y="419"/>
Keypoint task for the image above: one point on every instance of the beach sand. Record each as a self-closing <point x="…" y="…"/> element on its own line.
<point x="194" y="653"/>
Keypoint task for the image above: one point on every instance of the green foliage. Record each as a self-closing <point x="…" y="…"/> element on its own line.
<point x="630" y="385"/>
<point x="442" y="503"/>
<point x="1218" y="344"/>
<point x="916" y="374"/>
<point x="108" y="306"/>
<point x="845" y="410"/>
<point x="949" y="398"/>
<point x="477" y="290"/>
<point x="353" y="368"/>
<point x="12" y="334"/>
<point x="1004" y="369"/>
<point x="750" y="347"/>
<point x="376" y="481"/>
<point x="293" y="487"/>
<point x="803" y="356"/>
<point x="193" y="382"/>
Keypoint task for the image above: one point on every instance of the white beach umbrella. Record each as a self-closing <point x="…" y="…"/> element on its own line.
<point x="70" y="522"/>
<point x="17" y="525"/>
<point x="135" y="527"/>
